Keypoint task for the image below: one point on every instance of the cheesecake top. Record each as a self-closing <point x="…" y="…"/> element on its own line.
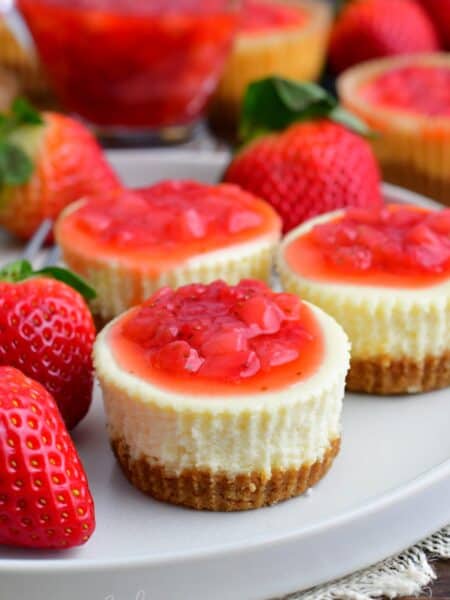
<point x="398" y="246"/>
<point x="167" y="223"/>
<point x="266" y="16"/>
<point x="218" y="338"/>
<point x="413" y="88"/>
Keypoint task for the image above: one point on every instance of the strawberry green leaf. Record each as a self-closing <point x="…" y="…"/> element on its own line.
<point x="77" y="283"/>
<point x="15" y="166"/>
<point x="21" y="113"/>
<point x="300" y="97"/>
<point x="351" y="121"/>
<point x="340" y="5"/>
<point x="16" y="271"/>
<point x="21" y="269"/>
<point x="25" y="113"/>
<point x="272" y="104"/>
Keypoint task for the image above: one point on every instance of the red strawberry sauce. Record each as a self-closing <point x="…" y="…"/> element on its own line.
<point x="165" y="224"/>
<point x="237" y="339"/>
<point x="261" y="16"/>
<point x="423" y="90"/>
<point x="396" y="246"/>
<point x="133" y="63"/>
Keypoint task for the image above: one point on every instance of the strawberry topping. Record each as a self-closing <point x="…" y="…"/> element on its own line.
<point x="260" y="16"/>
<point x="404" y="88"/>
<point x="170" y="215"/>
<point x="394" y="246"/>
<point x="400" y="240"/>
<point x="226" y="333"/>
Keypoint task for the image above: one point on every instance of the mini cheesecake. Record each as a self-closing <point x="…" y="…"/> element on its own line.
<point x="223" y="397"/>
<point x="384" y="275"/>
<point x="22" y="64"/>
<point x="406" y="100"/>
<point x="130" y="243"/>
<point x="277" y="37"/>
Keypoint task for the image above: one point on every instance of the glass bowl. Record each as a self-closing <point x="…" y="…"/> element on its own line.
<point x="133" y="66"/>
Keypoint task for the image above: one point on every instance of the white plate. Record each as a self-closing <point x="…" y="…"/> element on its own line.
<point x="390" y="487"/>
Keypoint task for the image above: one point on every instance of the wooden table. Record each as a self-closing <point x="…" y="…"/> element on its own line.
<point x="441" y="588"/>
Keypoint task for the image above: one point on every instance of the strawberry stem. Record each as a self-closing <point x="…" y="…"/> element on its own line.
<point x="20" y="270"/>
<point x="272" y="104"/>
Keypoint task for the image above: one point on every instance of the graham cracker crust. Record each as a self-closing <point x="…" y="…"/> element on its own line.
<point x="418" y="180"/>
<point x="385" y="376"/>
<point x="99" y="321"/>
<point x="205" y="490"/>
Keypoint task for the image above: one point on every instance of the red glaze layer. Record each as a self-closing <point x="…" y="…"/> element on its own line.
<point x="397" y="246"/>
<point x="242" y="338"/>
<point x="163" y="225"/>
<point x="260" y="17"/>
<point x="422" y="90"/>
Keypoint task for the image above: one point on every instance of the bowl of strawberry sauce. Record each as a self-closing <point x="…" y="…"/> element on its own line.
<point x="134" y="66"/>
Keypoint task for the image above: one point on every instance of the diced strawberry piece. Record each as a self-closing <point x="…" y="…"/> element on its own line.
<point x="187" y="226"/>
<point x="226" y="342"/>
<point x="219" y="290"/>
<point x="251" y="287"/>
<point x="325" y="234"/>
<point x="163" y="296"/>
<point x="363" y="216"/>
<point x="177" y="357"/>
<point x="346" y="235"/>
<point x="404" y="217"/>
<point x="245" y="219"/>
<point x="142" y="328"/>
<point x="428" y="257"/>
<point x="164" y="333"/>
<point x="251" y="366"/>
<point x="274" y="354"/>
<point x="440" y="222"/>
<point x="370" y="238"/>
<point x="96" y="222"/>
<point x="230" y="366"/>
<point x="262" y="312"/>
<point x="422" y="234"/>
<point x="352" y="257"/>
<point x="290" y="305"/>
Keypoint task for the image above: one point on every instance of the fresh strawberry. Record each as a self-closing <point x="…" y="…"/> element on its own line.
<point x="368" y="29"/>
<point x="313" y="166"/>
<point x="46" y="330"/>
<point x="439" y="11"/>
<point x="45" y="500"/>
<point x="46" y="162"/>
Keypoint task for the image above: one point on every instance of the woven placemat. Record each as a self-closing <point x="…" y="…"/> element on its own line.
<point x="406" y="574"/>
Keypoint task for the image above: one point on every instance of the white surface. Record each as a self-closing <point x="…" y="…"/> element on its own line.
<point x="390" y="487"/>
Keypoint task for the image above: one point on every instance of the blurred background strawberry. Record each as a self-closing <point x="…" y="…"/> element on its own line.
<point x="367" y="29"/>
